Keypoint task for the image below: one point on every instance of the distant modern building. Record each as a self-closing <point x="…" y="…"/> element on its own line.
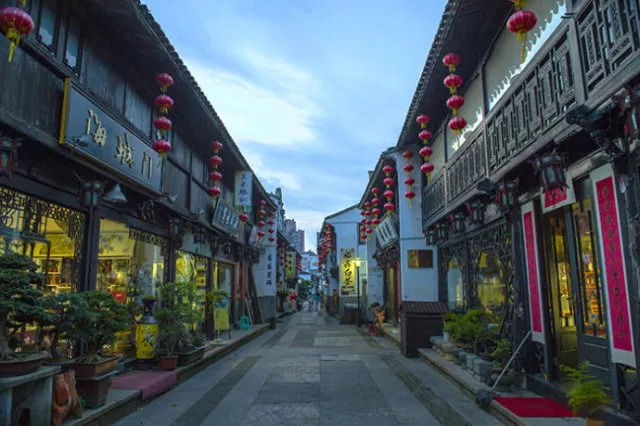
<point x="300" y="240"/>
<point x="310" y="262"/>
<point x="290" y="231"/>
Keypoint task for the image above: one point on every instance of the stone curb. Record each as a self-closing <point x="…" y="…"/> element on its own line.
<point x="117" y="410"/>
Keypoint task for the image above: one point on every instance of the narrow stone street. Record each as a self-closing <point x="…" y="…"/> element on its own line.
<point x="313" y="371"/>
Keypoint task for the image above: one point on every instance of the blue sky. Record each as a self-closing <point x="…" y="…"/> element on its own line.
<point x="311" y="91"/>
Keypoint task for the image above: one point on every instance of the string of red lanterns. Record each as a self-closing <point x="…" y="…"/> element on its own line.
<point x="376" y="210"/>
<point x="388" y="194"/>
<point x="162" y="124"/>
<point x="426" y="151"/>
<point x="409" y="181"/>
<point x="215" y="176"/>
<point x="15" y="22"/>
<point x="455" y="101"/>
<point x="271" y="223"/>
<point x="261" y="214"/>
<point x="520" y="23"/>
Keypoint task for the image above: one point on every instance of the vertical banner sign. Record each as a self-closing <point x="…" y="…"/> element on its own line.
<point x="533" y="272"/>
<point x="271" y="269"/>
<point x="614" y="266"/>
<point x="347" y="271"/>
<point x="291" y="264"/>
<point x="243" y="190"/>
<point x="221" y="318"/>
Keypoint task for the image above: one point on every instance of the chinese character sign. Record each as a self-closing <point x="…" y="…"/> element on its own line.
<point x="347" y="271"/>
<point x="243" y="190"/>
<point x="533" y="273"/>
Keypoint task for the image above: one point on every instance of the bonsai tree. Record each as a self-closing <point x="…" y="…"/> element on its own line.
<point x="588" y="393"/>
<point x="21" y="290"/>
<point x="105" y="318"/>
<point x="171" y="329"/>
<point x="71" y="310"/>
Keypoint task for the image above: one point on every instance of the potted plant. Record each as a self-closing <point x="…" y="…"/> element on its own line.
<point x="191" y="345"/>
<point x="21" y="292"/>
<point x="171" y="327"/>
<point x="588" y="393"/>
<point x="94" y="370"/>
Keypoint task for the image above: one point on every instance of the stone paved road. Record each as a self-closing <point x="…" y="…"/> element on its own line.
<point x="313" y="371"/>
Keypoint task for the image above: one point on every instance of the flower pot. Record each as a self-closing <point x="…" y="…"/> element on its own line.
<point x="94" y="390"/>
<point x="186" y="358"/>
<point x="24" y="364"/>
<point x="168" y="362"/>
<point x="64" y="364"/>
<point x="97" y="369"/>
<point x="593" y="422"/>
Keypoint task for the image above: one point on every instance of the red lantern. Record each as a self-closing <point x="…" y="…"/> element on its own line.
<point x="367" y="204"/>
<point x="15" y="22"/>
<point x="376" y="211"/>
<point x="261" y="223"/>
<point x="375" y="191"/>
<point x="409" y="181"/>
<point x="215" y="176"/>
<point x="457" y="124"/>
<point x="368" y="222"/>
<point x="453" y="81"/>
<point x="388" y="194"/>
<point x="215" y="161"/>
<point x="271" y="239"/>
<point x="427" y="168"/>
<point x="161" y="146"/>
<point x="164" y="80"/>
<point x="163" y="124"/>
<point x="376" y="201"/>
<point x="261" y="234"/>
<point x="163" y="103"/>
<point x="244" y="218"/>
<point x="423" y="120"/>
<point x="388" y="182"/>
<point x="387" y="170"/>
<point x="363" y="221"/>
<point x="520" y="23"/>
<point x="217" y="146"/>
<point x="369" y="230"/>
<point x="389" y="207"/>
<point x="376" y="221"/>
<point x="261" y="213"/>
<point x="426" y="151"/>
<point x="271" y="231"/>
<point x="407" y="155"/>
<point x="362" y="213"/>
<point x="425" y="135"/>
<point x="263" y="203"/>
<point x="214" y="192"/>
<point x="408" y="168"/>
<point x="454" y="103"/>
<point x="451" y="60"/>
<point x="367" y="213"/>
<point x="410" y="195"/>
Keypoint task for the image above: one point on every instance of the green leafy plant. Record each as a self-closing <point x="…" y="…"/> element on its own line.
<point x="470" y="328"/>
<point x="501" y="352"/>
<point x="171" y="329"/>
<point x="588" y="393"/>
<point x="21" y="292"/>
<point x="105" y="318"/>
<point x="71" y="310"/>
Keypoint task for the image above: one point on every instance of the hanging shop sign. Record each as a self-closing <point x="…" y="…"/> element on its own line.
<point x="93" y="133"/>
<point x="347" y="271"/>
<point x="614" y="266"/>
<point x="533" y="272"/>
<point x="243" y="190"/>
<point x="221" y="317"/>
<point x="226" y="218"/>
<point x="290" y="271"/>
<point x="558" y="197"/>
<point x="386" y="232"/>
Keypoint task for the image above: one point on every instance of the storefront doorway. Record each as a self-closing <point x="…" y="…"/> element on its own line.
<point x="574" y="287"/>
<point x="391" y="294"/>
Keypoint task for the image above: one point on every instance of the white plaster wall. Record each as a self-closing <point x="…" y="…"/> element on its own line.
<point x="375" y="291"/>
<point x="420" y="285"/>
<point x="471" y="111"/>
<point x="346" y="231"/>
<point x="437" y="158"/>
<point x="260" y="271"/>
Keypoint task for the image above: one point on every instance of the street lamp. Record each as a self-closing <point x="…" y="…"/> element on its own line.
<point x="357" y="261"/>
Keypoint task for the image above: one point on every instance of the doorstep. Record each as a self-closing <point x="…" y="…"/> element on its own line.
<point x="121" y="402"/>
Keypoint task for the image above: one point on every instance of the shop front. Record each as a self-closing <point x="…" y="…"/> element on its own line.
<point x="388" y="256"/>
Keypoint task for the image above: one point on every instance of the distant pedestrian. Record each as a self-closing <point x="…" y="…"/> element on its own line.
<point x="316" y="299"/>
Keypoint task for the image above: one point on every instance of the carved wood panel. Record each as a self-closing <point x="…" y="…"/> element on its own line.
<point x="434" y="200"/>
<point x="465" y="170"/>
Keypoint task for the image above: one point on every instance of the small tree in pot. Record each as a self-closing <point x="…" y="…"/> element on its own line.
<point x="72" y="311"/>
<point x="171" y="328"/>
<point x="21" y="290"/>
<point x="588" y="394"/>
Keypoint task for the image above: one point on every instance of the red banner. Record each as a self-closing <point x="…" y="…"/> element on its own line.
<point x="614" y="270"/>
<point x="533" y="272"/>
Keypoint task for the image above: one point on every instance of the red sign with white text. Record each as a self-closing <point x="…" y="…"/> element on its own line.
<point x="533" y="272"/>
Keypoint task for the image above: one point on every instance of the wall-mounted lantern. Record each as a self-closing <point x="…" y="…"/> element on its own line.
<point x="551" y="169"/>
<point x="475" y="208"/>
<point x="507" y="194"/>
<point x="431" y="236"/>
<point x="443" y="231"/>
<point x="456" y="221"/>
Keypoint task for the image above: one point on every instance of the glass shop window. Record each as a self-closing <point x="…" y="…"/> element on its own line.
<point x="130" y="266"/>
<point x="191" y="268"/>
<point x="51" y="234"/>
<point x="223" y="277"/>
<point x="47" y="26"/>
<point x="489" y="281"/>
<point x="593" y="313"/>
<point x="455" y="286"/>
<point x="72" y="45"/>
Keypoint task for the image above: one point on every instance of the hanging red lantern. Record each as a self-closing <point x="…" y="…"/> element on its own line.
<point x="453" y="81"/>
<point x="263" y="203"/>
<point x="363" y="221"/>
<point x="244" y="218"/>
<point x="451" y="60"/>
<point x="520" y="23"/>
<point x="376" y="201"/>
<point x="426" y="152"/>
<point x="215" y="176"/>
<point x="423" y="120"/>
<point x="261" y="223"/>
<point x="457" y="124"/>
<point x="261" y="213"/>
<point x="163" y="124"/>
<point x="271" y="231"/>
<point x="367" y="213"/>
<point x="15" y="22"/>
<point x="214" y="192"/>
<point x="389" y="207"/>
<point x="367" y="204"/>
<point x="388" y="194"/>
<point x="388" y="181"/>
<point x="368" y="222"/>
<point x="215" y="161"/>
<point x="164" y="80"/>
<point x="375" y="191"/>
<point x="454" y="103"/>
<point x="425" y="135"/>
<point x="271" y="239"/>
<point x="408" y="168"/>
<point x="369" y="230"/>
<point x="362" y="213"/>
<point x="216" y="146"/>
<point x="376" y="221"/>
<point x="163" y="103"/>
<point x="387" y="170"/>
<point x="261" y="234"/>
<point x="161" y="146"/>
<point x="427" y="168"/>
<point x="376" y="211"/>
<point x="407" y="155"/>
<point x="410" y="195"/>
<point x="409" y="181"/>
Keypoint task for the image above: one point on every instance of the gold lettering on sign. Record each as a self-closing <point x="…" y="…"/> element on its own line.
<point x="147" y="164"/>
<point x="100" y="133"/>
<point x="124" y="152"/>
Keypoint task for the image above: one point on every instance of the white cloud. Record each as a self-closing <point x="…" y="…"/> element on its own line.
<point x="255" y="113"/>
<point x="275" y="177"/>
